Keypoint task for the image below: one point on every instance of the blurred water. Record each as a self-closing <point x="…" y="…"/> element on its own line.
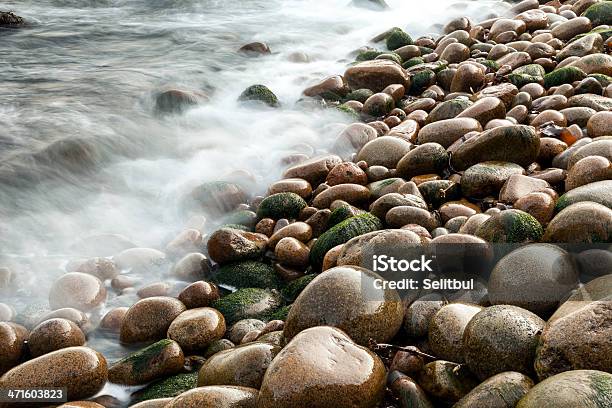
<point x="81" y="77"/>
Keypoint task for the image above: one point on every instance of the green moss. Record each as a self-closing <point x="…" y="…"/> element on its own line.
<point x="391" y="56"/>
<point x="247" y="274"/>
<point x="248" y="303"/>
<point x="565" y="75"/>
<point x="520" y="80"/>
<point x="360" y="95"/>
<point x="340" y="214"/>
<point x="599" y="13"/>
<point x="142" y="359"/>
<point x="535" y="70"/>
<point x="426" y="50"/>
<point x="510" y="226"/>
<point x="293" y="289"/>
<point x="341" y="233"/>
<point x="492" y="65"/>
<point x="603" y="79"/>
<point x="281" y="205"/>
<point x="281" y="313"/>
<point x="602" y="385"/>
<point x="421" y="80"/>
<point x="412" y="62"/>
<point x="166" y="388"/>
<point x="448" y="109"/>
<point x="368" y="55"/>
<point x="398" y="38"/>
<point x="259" y="93"/>
<point x="244" y="218"/>
<point x="349" y="111"/>
<point x="603" y="31"/>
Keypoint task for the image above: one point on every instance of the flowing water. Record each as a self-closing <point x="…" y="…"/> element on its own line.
<point x="82" y="151"/>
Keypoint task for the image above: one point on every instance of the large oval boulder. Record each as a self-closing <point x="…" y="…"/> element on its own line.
<point x="322" y="367"/>
<point x="376" y="75"/>
<point x="349" y="298"/>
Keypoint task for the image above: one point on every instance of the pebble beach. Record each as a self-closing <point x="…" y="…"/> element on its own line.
<point x="481" y="148"/>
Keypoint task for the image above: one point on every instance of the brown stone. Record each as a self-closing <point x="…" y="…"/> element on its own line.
<point x="346" y="173"/>
<point x="376" y="75"/>
<point x="54" y="334"/>
<point x="195" y="329"/>
<point x="218" y="396"/>
<point x="78" y="290"/>
<point x="149" y="319"/>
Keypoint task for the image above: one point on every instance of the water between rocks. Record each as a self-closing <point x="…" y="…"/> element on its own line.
<point x="81" y="149"/>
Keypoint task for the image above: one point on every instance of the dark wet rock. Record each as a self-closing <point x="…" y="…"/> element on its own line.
<point x="158" y="360"/>
<point x="243" y="366"/>
<point x="333" y="88"/>
<point x="248" y="303"/>
<point x="259" y="94"/>
<point x="445" y="382"/>
<point x="535" y="277"/>
<point x="321" y="366"/>
<point x="424" y="159"/>
<point x="255" y="49"/>
<point x="596" y="102"/>
<point x="336" y="298"/>
<point x="149" y="319"/>
<point x="11" y="20"/>
<point x="81" y="370"/>
<point x="516" y="144"/>
<point x="12" y="346"/>
<point x="599" y="14"/>
<point x="501" y="338"/>
<point x="381" y="207"/>
<point x="578" y="388"/>
<point x="502" y="390"/>
<point x="407" y="391"/>
<point x="579" y="340"/>
<point x="177" y="100"/>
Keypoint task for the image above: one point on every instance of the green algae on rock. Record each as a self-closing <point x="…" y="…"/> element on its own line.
<point x="510" y="226"/>
<point x="341" y="233"/>
<point x="281" y="205"/>
<point x="259" y="93"/>
<point x="247" y="274"/>
<point x="167" y="388"/>
<point x="248" y="303"/>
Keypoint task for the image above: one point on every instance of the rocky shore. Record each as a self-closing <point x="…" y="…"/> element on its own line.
<point x="490" y="143"/>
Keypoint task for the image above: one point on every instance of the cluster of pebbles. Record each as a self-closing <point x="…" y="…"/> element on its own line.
<point x="495" y="132"/>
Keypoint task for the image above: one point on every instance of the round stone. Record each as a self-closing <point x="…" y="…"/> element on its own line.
<point x="78" y="290"/>
<point x="195" y="329"/>
<point x="149" y="319"/>
<point x="199" y="294"/>
<point x="446" y="329"/>
<point x="219" y="396"/>
<point x="501" y="338"/>
<point x="54" y="334"/>
<point x="346" y="297"/>
<point x="384" y="151"/>
<point x="319" y="367"/>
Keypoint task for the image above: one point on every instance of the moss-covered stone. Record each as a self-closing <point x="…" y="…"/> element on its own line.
<point x="281" y="313"/>
<point x="425" y="50"/>
<point x="244" y="218"/>
<point x="397" y="39"/>
<point x="510" y="226"/>
<point x="520" y="80"/>
<point x="352" y="113"/>
<point x="342" y="213"/>
<point x="391" y="56"/>
<point x="360" y="95"/>
<point x="259" y="93"/>
<point x="599" y="13"/>
<point x="421" y="80"/>
<point x="565" y="75"/>
<point x="492" y="65"/>
<point x="8" y="19"/>
<point x="603" y="79"/>
<point x="248" y="274"/>
<point x="605" y="33"/>
<point x="412" y="62"/>
<point x="448" y="109"/>
<point x="577" y="388"/>
<point x="166" y="388"/>
<point x="248" y="303"/>
<point x="293" y="289"/>
<point x="341" y="233"/>
<point x="535" y="70"/>
<point x="281" y="205"/>
<point x="368" y="55"/>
